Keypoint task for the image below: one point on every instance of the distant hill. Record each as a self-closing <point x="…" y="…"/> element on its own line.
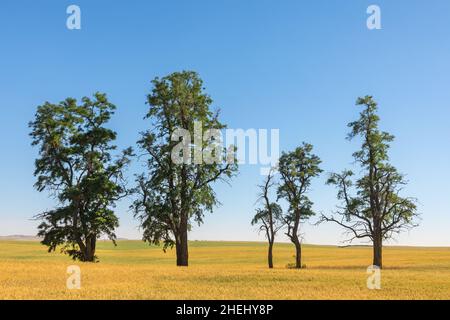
<point x="18" y="237"/>
<point x="21" y="237"/>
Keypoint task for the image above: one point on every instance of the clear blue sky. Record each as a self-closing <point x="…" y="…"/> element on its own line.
<point x="293" y="65"/>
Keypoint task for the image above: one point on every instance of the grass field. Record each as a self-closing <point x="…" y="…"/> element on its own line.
<point x="223" y="270"/>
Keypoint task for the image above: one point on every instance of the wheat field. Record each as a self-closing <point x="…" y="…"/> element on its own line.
<point x="223" y="270"/>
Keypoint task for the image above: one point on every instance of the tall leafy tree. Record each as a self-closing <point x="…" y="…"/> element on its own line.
<point x="297" y="169"/>
<point x="75" y="164"/>
<point x="171" y="196"/>
<point x="269" y="217"/>
<point x="372" y="207"/>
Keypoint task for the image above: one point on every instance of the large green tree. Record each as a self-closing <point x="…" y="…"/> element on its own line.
<point x="171" y="195"/>
<point x="75" y="164"/>
<point x="372" y="207"/>
<point x="297" y="169"/>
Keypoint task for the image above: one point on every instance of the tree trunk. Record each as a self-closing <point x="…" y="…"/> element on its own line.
<point x="182" y="253"/>
<point x="296" y="241"/>
<point x="298" y="252"/>
<point x="270" y="255"/>
<point x="182" y="245"/>
<point x="378" y="252"/>
<point x="89" y="253"/>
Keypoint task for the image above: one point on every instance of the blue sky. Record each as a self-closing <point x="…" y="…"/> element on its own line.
<point x="297" y="66"/>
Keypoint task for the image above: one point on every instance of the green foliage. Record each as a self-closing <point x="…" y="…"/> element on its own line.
<point x="171" y="196"/>
<point x="371" y="204"/>
<point x="297" y="170"/>
<point x="75" y="164"/>
<point x="262" y="215"/>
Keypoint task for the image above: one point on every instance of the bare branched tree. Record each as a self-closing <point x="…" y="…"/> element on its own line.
<point x="269" y="218"/>
<point x="372" y="207"/>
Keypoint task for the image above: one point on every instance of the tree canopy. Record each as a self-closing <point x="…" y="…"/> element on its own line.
<point x="372" y="206"/>
<point x="297" y="170"/>
<point x="172" y="195"/>
<point x="76" y="165"/>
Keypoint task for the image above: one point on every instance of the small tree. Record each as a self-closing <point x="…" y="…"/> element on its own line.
<point x="372" y="207"/>
<point x="269" y="218"/>
<point x="297" y="169"/>
<point x="172" y="195"/>
<point x="76" y="165"/>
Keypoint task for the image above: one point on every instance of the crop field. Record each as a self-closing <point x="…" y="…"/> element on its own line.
<point x="223" y="270"/>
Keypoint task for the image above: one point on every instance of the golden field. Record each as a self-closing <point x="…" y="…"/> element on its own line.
<point x="223" y="270"/>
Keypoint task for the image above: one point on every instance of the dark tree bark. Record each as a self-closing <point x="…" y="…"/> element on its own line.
<point x="182" y="244"/>
<point x="378" y="252"/>
<point x="293" y="235"/>
<point x="298" y="249"/>
<point x="298" y="254"/>
<point x="182" y="253"/>
<point x="89" y="251"/>
<point x="270" y="255"/>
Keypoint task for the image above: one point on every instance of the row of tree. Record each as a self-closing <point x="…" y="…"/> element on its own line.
<point x="372" y="207"/>
<point x="79" y="164"/>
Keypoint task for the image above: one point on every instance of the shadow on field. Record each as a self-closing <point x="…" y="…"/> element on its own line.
<point x="360" y="267"/>
<point x="385" y="268"/>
